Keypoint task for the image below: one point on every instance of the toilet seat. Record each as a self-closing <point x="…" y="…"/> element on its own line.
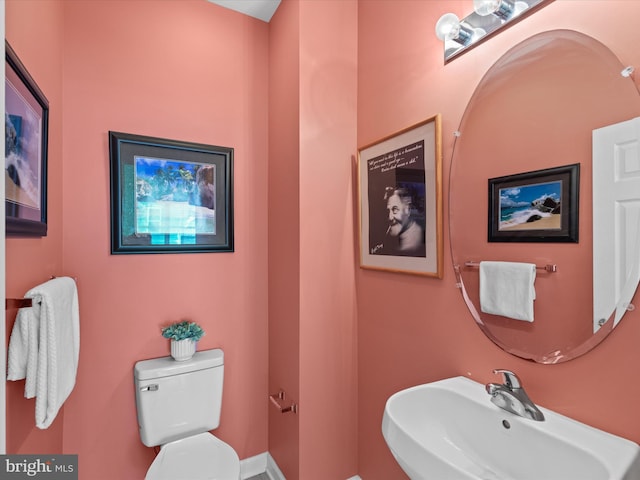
<point x="200" y="457"/>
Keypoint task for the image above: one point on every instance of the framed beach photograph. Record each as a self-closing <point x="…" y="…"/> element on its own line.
<point x="170" y="196"/>
<point x="26" y="124"/>
<point x="400" y="201"/>
<point x="538" y="206"/>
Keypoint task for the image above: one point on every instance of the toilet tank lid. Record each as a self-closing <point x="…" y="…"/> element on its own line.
<point x="167" y="366"/>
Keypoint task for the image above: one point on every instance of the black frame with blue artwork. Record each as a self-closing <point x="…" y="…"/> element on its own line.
<point x="552" y="192"/>
<point x="170" y="196"/>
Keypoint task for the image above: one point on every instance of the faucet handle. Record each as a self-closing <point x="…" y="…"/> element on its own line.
<point x="511" y="380"/>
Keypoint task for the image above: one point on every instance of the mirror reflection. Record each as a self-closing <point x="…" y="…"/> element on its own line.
<point x="536" y="109"/>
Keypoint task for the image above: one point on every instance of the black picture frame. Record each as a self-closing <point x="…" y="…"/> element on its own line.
<point x="536" y="206"/>
<point x="26" y="149"/>
<point x="170" y="196"/>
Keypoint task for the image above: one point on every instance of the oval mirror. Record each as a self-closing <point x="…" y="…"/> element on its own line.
<point x="535" y="110"/>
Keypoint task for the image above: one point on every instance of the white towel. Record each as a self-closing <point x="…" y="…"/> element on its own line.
<point x="506" y="289"/>
<point x="54" y="320"/>
<point x="23" y="349"/>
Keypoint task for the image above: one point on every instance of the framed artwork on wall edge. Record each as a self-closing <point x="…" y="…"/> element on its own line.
<point x="26" y="146"/>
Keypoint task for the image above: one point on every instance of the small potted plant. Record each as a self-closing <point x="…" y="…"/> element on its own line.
<point x="183" y="336"/>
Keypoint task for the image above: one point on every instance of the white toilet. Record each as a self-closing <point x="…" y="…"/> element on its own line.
<point x="178" y="403"/>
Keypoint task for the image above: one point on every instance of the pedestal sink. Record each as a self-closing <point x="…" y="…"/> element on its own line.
<point x="450" y="430"/>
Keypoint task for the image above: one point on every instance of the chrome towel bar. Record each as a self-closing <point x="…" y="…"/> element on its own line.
<point x="551" y="268"/>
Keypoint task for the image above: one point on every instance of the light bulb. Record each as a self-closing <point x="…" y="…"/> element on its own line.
<point x="486" y="7"/>
<point x="503" y="9"/>
<point x="448" y="27"/>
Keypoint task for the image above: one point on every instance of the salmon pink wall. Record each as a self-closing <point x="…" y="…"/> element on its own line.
<point x="328" y="94"/>
<point x="284" y="237"/>
<point x="421" y="324"/>
<point x="312" y="341"/>
<point x="186" y="70"/>
<point x="33" y="261"/>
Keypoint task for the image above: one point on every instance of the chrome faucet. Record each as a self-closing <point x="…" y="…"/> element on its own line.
<point x="511" y="396"/>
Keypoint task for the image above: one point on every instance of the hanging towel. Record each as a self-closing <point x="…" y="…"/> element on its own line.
<point x="23" y="349"/>
<point x="506" y="289"/>
<point x="54" y="320"/>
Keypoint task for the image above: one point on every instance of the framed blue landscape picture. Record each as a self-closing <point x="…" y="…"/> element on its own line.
<point x="170" y="196"/>
<point x="537" y="206"/>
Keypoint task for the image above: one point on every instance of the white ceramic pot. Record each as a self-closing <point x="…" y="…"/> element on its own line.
<point x="182" y="349"/>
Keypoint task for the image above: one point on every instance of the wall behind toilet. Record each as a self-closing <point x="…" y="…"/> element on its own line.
<point x="186" y="70"/>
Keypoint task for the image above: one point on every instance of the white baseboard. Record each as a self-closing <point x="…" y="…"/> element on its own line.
<point x="272" y="469"/>
<point x="261" y="463"/>
<point x="264" y="463"/>
<point x="252" y="466"/>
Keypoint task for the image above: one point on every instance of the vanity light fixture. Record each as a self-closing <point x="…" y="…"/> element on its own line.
<point x="488" y="17"/>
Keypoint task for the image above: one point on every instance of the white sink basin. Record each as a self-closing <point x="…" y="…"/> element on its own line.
<point x="450" y="430"/>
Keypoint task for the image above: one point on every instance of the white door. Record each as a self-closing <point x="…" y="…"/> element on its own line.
<point x="616" y="219"/>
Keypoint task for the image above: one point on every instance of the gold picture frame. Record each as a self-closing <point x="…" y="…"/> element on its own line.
<point x="400" y="201"/>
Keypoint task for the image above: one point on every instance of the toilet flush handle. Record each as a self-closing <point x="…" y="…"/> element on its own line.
<point x="149" y="388"/>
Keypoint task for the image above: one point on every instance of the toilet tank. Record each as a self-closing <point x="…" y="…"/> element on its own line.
<point x="178" y="399"/>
